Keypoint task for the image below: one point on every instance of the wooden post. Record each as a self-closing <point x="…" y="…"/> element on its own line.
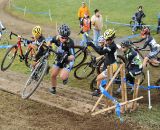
<point x="25" y="9"/>
<point x="106" y="88"/>
<point x="136" y="88"/>
<point x="50" y="15"/>
<point x="123" y="87"/>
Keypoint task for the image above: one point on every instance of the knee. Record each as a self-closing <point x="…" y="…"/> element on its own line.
<point x="64" y="76"/>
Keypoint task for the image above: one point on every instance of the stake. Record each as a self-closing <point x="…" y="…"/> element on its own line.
<point x="149" y="92"/>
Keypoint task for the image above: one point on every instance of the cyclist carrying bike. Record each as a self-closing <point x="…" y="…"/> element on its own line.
<point x="65" y="49"/>
<point x="134" y="63"/>
<point x="108" y="50"/>
<point x="149" y="41"/>
<point x="37" y="41"/>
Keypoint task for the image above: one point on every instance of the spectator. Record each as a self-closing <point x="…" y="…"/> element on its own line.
<point x="97" y="23"/>
<point x="139" y="15"/>
<point x="82" y="10"/>
<point x="158" y="27"/>
<point x="86" y="27"/>
<point x="1" y="29"/>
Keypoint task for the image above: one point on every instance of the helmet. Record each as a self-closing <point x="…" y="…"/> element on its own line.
<point x="126" y="43"/>
<point x="64" y="30"/>
<point x="37" y="31"/>
<point x="109" y="34"/>
<point x="145" y="31"/>
<point x="101" y="38"/>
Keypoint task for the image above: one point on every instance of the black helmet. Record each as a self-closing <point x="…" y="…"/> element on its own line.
<point x="64" y="30"/>
<point x="126" y="43"/>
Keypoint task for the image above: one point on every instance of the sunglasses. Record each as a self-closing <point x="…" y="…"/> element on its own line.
<point x="64" y="37"/>
<point x="123" y="46"/>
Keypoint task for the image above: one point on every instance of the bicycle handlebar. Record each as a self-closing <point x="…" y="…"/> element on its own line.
<point x="10" y="36"/>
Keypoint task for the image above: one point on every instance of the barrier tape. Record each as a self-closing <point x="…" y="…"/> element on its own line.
<point x="29" y="11"/>
<point x="118" y="106"/>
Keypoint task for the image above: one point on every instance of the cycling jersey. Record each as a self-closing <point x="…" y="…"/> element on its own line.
<point x="134" y="63"/>
<point x="154" y="47"/>
<point x="109" y="53"/>
<point x="64" y="48"/>
<point x="41" y="50"/>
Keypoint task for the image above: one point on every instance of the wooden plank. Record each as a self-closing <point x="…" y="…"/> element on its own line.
<point x="113" y="107"/>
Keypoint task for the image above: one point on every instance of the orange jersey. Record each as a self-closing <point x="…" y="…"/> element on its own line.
<point x="82" y="10"/>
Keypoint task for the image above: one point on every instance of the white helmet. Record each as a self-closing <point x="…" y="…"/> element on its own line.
<point x="101" y="39"/>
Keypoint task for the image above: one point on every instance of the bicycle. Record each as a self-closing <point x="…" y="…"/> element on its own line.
<point x="11" y="53"/>
<point x="4" y="37"/>
<point x="138" y="50"/>
<point x="38" y="72"/>
<point x="85" y="70"/>
<point x="81" y="53"/>
<point x="135" y="25"/>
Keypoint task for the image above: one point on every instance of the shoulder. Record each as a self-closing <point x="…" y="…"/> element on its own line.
<point x="70" y="42"/>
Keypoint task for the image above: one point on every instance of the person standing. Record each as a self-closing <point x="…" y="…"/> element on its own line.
<point x="97" y="25"/>
<point x="86" y="27"/>
<point x="82" y="10"/>
<point x="139" y="15"/>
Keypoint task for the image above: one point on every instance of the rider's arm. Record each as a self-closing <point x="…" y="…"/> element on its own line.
<point x="72" y="53"/>
<point x="147" y="42"/>
<point x="130" y="58"/>
<point x="142" y="39"/>
<point x="54" y="40"/>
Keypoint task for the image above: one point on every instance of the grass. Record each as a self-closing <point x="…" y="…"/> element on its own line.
<point x="66" y="12"/>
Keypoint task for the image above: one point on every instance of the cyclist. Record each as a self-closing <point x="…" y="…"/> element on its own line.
<point x="149" y="41"/>
<point x="37" y="41"/>
<point x="139" y="15"/>
<point x="108" y="50"/>
<point x="1" y="29"/>
<point x="65" y="46"/>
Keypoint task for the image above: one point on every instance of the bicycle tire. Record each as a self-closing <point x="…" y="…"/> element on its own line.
<point x="83" y="74"/>
<point x="93" y="84"/>
<point x="26" y="95"/>
<point x="79" y="51"/>
<point x="3" y="67"/>
<point x="132" y="24"/>
<point x="28" y="57"/>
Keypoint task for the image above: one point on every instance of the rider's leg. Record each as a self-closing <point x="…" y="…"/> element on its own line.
<point x="54" y="73"/>
<point x="100" y="77"/>
<point x="145" y="61"/>
<point x="64" y="74"/>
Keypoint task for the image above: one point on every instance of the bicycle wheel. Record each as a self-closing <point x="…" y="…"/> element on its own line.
<point x="9" y="57"/>
<point x="93" y="84"/>
<point x="80" y="55"/>
<point x="29" y="57"/>
<point x="133" y="26"/>
<point x="83" y="71"/>
<point x="34" y="79"/>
